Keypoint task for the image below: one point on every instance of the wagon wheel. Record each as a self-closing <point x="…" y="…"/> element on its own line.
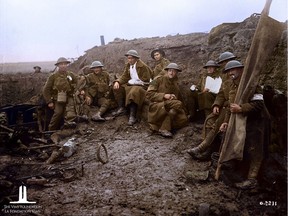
<point x="102" y="154"/>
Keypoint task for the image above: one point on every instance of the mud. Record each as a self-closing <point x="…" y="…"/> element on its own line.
<point x="146" y="175"/>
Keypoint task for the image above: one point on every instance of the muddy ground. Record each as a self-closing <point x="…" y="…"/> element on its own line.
<point x="146" y="175"/>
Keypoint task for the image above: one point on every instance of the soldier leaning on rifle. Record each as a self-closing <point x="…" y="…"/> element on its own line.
<point x="160" y="62"/>
<point x="257" y="123"/>
<point x="97" y="89"/>
<point x="166" y="110"/>
<point x="58" y="94"/>
<point x="132" y="85"/>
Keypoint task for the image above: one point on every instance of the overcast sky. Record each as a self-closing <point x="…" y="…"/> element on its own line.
<point x="43" y="30"/>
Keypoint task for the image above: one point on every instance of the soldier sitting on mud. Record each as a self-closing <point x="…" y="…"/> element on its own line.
<point x="160" y="62"/>
<point x="97" y="89"/>
<point x="132" y="85"/>
<point x="58" y="93"/>
<point x="207" y="88"/>
<point x="166" y="111"/>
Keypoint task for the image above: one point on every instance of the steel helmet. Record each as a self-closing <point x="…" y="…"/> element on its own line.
<point x="211" y="63"/>
<point x="96" y="64"/>
<point x="232" y="64"/>
<point x="157" y="50"/>
<point x="173" y="66"/>
<point x="226" y="56"/>
<point x="62" y="60"/>
<point x="132" y="53"/>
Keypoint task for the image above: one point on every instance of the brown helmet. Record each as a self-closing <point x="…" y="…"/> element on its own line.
<point x="157" y="50"/>
<point x="62" y="60"/>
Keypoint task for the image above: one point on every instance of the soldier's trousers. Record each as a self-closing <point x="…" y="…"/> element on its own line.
<point x="62" y="110"/>
<point x="159" y="118"/>
<point x="211" y="128"/>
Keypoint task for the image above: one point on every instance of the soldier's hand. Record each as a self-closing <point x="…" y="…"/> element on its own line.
<point x="223" y="127"/>
<point x="235" y="108"/>
<point x="88" y="100"/>
<point x="51" y="105"/>
<point x="82" y="92"/>
<point x="205" y="90"/>
<point x="216" y="110"/>
<point x="169" y="96"/>
<point x="116" y="85"/>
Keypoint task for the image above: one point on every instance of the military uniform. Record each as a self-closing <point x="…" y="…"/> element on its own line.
<point x="159" y="115"/>
<point x="59" y="82"/>
<point x="97" y="87"/>
<point x="135" y="93"/>
<point x="159" y="67"/>
<point x="206" y="99"/>
<point x="212" y="124"/>
<point x="257" y="126"/>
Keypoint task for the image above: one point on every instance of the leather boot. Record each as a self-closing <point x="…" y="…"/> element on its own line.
<point x="121" y="109"/>
<point x="132" y="116"/>
<point x="193" y="152"/>
<point x="97" y="117"/>
<point x="247" y="184"/>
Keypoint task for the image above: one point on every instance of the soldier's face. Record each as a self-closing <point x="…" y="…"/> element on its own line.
<point x="62" y="66"/>
<point x="157" y="56"/>
<point x="131" y="60"/>
<point x="97" y="70"/>
<point x="235" y="73"/>
<point x="210" y="70"/>
<point x="171" y="73"/>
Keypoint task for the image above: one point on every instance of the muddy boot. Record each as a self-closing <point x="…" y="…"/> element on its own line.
<point x="247" y="184"/>
<point x="206" y="155"/>
<point x="194" y="152"/>
<point x="97" y="117"/>
<point x="132" y="116"/>
<point x="121" y="109"/>
<point x="165" y="133"/>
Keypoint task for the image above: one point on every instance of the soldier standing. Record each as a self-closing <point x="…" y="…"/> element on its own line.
<point x="166" y="111"/>
<point x="160" y="62"/>
<point x="97" y="89"/>
<point x="257" y="123"/>
<point x="132" y="85"/>
<point x="58" y="94"/>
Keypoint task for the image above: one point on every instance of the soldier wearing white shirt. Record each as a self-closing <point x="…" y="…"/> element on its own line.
<point x="134" y="81"/>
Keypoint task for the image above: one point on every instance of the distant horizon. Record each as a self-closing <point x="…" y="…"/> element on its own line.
<point x="46" y="30"/>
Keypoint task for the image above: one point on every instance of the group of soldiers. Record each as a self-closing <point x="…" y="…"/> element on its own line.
<point x="64" y="92"/>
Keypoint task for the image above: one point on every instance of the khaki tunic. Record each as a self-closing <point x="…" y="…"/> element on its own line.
<point x="158" y="117"/>
<point x="160" y="66"/>
<point x="206" y="99"/>
<point x="257" y="126"/>
<point x="97" y="87"/>
<point x="58" y="82"/>
<point x="135" y="93"/>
